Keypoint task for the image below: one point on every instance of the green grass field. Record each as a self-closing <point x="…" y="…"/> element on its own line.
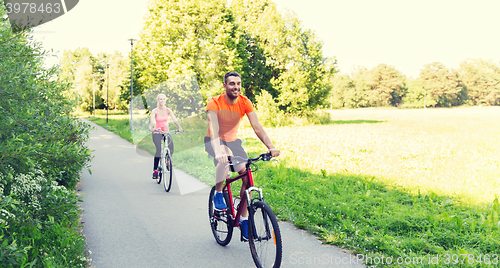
<point x="452" y="152"/>
<point x="386" y="183"/>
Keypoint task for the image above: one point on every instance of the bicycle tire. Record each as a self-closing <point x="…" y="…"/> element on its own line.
<point x="221" y="222"/>
<point x="264" y="236"/>
<point x="161" y="169"/>
<point x="167" y="180"/>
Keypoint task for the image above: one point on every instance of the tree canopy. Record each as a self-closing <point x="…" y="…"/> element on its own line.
<point x="476" y="82"/>
<point x="442" y="84"/>
<point x="186" y="38"/>
<point x="294" y="62"/>
<point x="481" y="80"/>
<point x="209" y="38"/>
<point x="88" y="76"/>
<point x="386" y="86"/>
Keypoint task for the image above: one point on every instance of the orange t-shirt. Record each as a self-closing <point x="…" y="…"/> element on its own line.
<point x="229" y="116"/>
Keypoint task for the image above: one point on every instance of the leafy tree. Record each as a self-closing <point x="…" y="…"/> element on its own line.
<point x="357" y="97"/>
<point x="481" y="79"/>
<point x="257" y="71"/>
<point x="183" y="96"/>
<point x="341" y="85"/>
<point x="88" y="74"/>
<point x="350" y="91"/>
<point x="256" y="75"/>
<point x="442" y="85"/>
<point x="42" y="146"/>
<point x="36" y="130"/>
<point x="294" y="62"/>
<point x="207" y="38"/>
<point x="118" y="67"/>
<point x="269" y="113"/>
<point x="70" y="62"/>
<point x="188" y="38"/>
<point x="85" y="74"/>
<point x="386" y="86"/>
<point x="138" y="87"/>
<point x="416" y="96"/>
<point x="84" y="85"/>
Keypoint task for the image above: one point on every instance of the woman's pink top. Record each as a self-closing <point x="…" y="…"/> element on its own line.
<point x="161" y="121"/>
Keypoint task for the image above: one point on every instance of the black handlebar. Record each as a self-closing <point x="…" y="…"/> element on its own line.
<point x="176" y="131"/>
<point x="235" y="160"/>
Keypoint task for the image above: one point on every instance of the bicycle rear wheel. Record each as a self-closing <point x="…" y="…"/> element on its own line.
<point x="167" y="180"/>
<point x="221" y="222"/>
<point x="264" y="236"/>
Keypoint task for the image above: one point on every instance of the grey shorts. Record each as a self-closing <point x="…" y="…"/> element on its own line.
<point x="235" y="147"/>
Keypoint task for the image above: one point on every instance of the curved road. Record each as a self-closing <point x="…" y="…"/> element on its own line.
<point x="130" y="221"/>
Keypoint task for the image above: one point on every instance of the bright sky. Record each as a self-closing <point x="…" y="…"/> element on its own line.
<point x="404" y="34"/>
<point x="101" y="26"/>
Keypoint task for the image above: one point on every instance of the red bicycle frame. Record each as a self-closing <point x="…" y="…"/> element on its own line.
<point x="227" y="188"/>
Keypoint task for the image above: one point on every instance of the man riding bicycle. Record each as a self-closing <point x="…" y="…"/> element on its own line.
<point x="224" y="116"/>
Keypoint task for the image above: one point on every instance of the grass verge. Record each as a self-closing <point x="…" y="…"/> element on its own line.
<point x="362" y="213"/>
<point x="381" y="223"/>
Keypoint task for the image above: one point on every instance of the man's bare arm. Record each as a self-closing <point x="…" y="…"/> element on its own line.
<point x="261" y="133"/>
<point x="213" y="126"/>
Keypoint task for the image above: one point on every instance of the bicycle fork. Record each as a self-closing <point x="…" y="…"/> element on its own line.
<point x="248" y="194"/>
<point x="251" y="212"/>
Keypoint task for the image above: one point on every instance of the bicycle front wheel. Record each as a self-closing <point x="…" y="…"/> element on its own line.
<point x="264" y="236"/>
<point x="167" y="180"/>
<point x="160" y="173"/>
<point x="221" y="222"/>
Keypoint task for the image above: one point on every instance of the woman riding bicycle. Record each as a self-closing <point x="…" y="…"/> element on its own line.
<point x="159" y="125"/>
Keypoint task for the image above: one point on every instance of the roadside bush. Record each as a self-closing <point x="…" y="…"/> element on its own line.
<point x="36" y="128"/>
<point x="271" y="116"/>
<point x="38" y="225"/>
<point x="43" y="152"/>
<point x="269" y="113"/>
<point x="319" y="118"/>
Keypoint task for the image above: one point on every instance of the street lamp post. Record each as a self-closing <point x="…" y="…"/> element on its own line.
<point x="93" y="93"/>
<point x="107" y="95"/>
<point x="131" y="80"/>
<point x="331" y="100"/>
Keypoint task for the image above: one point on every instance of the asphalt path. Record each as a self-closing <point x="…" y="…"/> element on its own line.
<point x="130" y="221"/>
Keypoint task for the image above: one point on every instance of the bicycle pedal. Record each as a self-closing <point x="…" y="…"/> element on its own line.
<point x="219" y="213"/>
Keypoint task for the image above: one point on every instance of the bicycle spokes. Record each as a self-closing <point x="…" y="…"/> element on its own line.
<point x="167" y="180"/>
<point x="265" y="237"/>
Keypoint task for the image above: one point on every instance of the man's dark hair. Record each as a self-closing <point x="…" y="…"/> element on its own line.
<point x="231" y="74"/>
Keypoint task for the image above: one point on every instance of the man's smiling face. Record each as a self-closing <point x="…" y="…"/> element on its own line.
<point x="233" y="87"/>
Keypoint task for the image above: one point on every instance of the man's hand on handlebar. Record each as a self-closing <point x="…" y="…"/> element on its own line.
<point x="275" y="152"/>
<point x="236" y="160"/>
<point x="222" y="157"/>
